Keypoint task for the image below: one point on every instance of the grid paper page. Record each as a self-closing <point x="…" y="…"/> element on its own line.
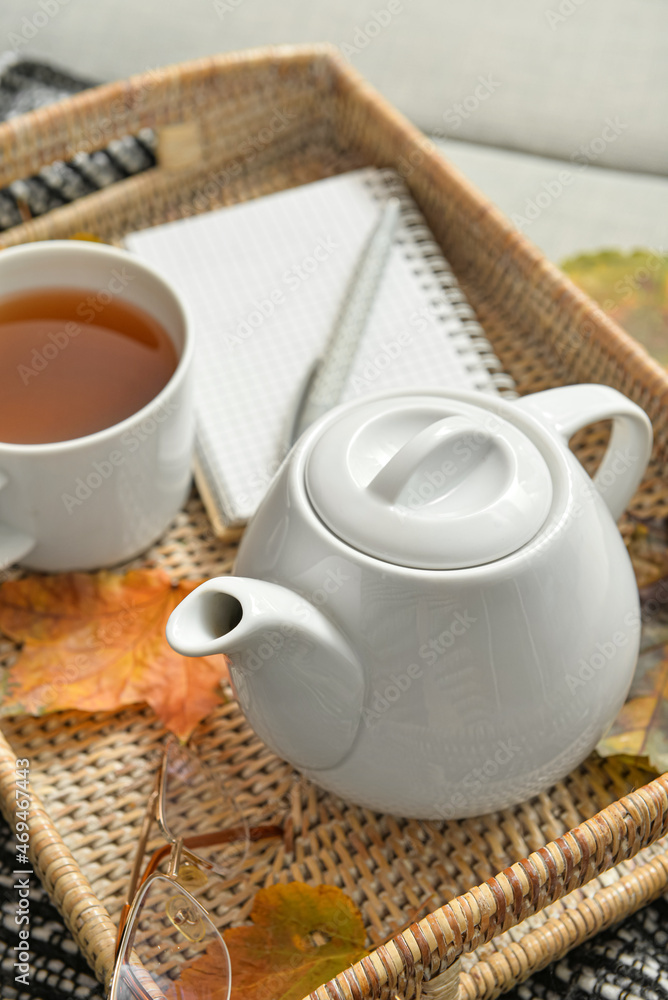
<point x="264" y="281"/>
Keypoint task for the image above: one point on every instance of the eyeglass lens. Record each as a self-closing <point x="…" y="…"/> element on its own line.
<point x="194" y="801"/>
<point x="174" y="952"/>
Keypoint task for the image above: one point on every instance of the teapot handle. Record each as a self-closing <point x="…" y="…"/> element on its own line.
<point x="569" y="408"/>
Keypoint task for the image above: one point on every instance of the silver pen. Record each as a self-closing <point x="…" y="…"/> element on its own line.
<point x="326" y="380"/>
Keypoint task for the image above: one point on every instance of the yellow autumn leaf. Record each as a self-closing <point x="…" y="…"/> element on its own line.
<point x="301" y="937"/>
<point x="641" y="728"/>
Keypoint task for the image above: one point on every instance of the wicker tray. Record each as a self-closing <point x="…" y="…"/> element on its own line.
<point x="91" y="774"/>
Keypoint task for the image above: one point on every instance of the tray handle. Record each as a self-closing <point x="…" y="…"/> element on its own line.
<point x="432" y="945"/>
<point x="68" y="888"/>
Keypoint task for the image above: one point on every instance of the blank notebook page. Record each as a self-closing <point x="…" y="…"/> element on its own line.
<point x="264" y="281"/>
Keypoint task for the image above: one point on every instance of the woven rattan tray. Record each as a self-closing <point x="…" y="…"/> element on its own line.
<point x="90" y="774"/>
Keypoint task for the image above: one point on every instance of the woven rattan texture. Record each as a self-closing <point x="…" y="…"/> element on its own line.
<point x="91" y="774"/>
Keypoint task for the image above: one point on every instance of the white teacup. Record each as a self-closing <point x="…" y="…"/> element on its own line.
<point x="100" y="499"/>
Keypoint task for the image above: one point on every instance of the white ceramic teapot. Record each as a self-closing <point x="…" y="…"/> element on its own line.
<point x="435" y="614"/>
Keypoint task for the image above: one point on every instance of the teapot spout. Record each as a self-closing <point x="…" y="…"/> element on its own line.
<point x="205" y="622"/>
<point x="224" y="615"/>
<point x="296" y="677"/>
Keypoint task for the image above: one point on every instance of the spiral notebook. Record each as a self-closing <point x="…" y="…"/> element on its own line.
<point x="264" y="281"/>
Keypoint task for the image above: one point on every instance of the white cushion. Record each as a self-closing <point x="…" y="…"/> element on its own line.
<point x="566" y="209"/>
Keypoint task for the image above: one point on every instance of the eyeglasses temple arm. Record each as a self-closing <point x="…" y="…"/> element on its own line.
<point x="147" y="823"/>
<point x="199" y="840"/>
<point x="231" y="834"/>
<point x="210" y="840"/>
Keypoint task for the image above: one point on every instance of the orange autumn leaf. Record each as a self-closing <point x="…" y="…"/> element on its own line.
<point x="96" y="642"/>
<point x="302" y="936"/>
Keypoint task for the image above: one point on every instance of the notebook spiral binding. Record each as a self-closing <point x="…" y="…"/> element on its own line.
<point x="439" y="279"/>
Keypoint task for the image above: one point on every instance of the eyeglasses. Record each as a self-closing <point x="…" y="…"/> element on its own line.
<point x="167" y="946"/>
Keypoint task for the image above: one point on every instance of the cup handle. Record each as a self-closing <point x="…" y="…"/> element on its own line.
<point x="569" y="408"/>
<point x="14" y="544"/>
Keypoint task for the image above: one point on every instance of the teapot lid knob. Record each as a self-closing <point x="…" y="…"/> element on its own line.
<point x="429" y="482"/>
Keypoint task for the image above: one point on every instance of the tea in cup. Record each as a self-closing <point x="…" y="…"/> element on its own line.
<point x="96" y="405"/>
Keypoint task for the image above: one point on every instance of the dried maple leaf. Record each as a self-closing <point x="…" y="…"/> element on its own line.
<point x="640" y="731"/>
<point x="97" y="642"/>
<point x="647" y="547"/>
<point x="203" y="977"/>
<point x="301" y="937"/>
<point x="641" y="728"/>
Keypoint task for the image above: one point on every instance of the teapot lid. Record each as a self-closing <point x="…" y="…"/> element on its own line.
<point x="428" y="481"/>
